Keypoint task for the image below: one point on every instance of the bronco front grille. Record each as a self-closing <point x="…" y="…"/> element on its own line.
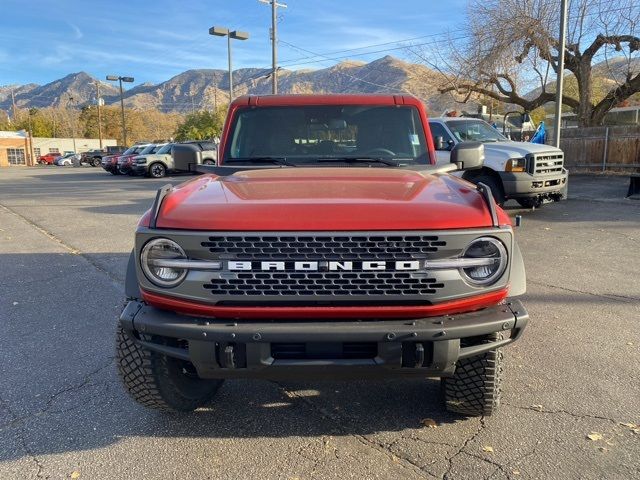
<point x="305" y="284"/>
<point x="331" y="247"/>
<point x="546" y="163"/>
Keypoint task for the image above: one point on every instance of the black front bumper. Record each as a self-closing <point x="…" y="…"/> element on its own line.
<point x="330" y="349"/>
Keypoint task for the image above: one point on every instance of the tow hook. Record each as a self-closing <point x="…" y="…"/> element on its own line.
<point x="419" y="355"/>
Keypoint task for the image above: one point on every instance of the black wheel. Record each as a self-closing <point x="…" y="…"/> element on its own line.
<point x="208" y="161"/>
<point x="494" y="184"/>
<point x="475" y="388"/>
<point x="157" y="170"/>
<point x="95" y="162"/>
<point x="529" y="202"/>
<point x="160" y="382"/>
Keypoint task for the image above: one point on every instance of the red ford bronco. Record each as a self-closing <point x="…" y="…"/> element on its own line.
<point x="326" y="243"/>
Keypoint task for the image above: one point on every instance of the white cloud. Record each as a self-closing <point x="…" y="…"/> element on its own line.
<point x="77" y="33"/>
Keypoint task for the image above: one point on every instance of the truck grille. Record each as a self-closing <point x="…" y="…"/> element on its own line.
<point x="306" y="284"/>
<point x="333" y="247"/>
<point x="546" y="163"/>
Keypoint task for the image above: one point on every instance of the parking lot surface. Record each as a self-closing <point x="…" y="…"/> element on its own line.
<point x="571" y="399"/>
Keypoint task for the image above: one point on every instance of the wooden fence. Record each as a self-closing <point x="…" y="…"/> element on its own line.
<point x="602" y="148"/>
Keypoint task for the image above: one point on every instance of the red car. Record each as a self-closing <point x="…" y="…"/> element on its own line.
<point x="49" y="158"/>
<point x="327" y="243"/>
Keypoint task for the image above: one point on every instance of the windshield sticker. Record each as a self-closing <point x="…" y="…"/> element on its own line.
<point x="413" y="138"/>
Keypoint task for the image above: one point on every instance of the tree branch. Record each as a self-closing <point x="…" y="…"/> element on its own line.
<point x="616" y="40"/>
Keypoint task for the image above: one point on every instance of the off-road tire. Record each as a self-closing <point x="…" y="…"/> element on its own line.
<point x="475" y="388"/>
<point x="159" y="382"/>
<point x="157" y="170"/>
<point x="494" y="184"/>
<point x="529" y="202"/>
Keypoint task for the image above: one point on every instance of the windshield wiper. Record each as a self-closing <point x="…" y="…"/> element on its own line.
<point x="390" y="163"/>
<point x="273" y="160"/>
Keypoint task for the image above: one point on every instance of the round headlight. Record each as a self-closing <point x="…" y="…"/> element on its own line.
<point x="495" y="255"/>
<point x="155" y="256"/>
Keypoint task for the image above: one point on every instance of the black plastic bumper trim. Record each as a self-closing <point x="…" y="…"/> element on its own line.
<point x="207" y="337"/>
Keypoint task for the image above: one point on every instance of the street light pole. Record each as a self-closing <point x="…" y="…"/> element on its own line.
<point x="113" y="78"/>
<point x="73" y="128"/>
<point x="560" y="73"/>
<point x="236" y="35"/>
<point x="99" y="105"/>
<point x="274" y="42"/>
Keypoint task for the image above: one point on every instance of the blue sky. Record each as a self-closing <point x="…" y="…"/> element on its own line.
<point x="41" y="41"/>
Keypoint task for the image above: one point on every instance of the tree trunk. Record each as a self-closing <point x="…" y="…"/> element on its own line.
<point x="585" y="93"/>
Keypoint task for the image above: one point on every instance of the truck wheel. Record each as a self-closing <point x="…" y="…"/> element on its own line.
<point x="96" y="162"/>
<point x="494" y="185"/>
<point x="160" y="382"/>
<point x="529" y="202"/>
<point x="157" y="170"/>
<point x="475" y="387"/>
<point x="208" y="161"/>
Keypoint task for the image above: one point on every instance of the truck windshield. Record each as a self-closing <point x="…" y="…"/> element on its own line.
<point x="165" y="148"/>
<point x="474" y="131"/>
<point x="322" y="134"/>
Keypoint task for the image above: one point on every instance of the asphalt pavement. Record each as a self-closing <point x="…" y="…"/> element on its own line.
<point x="571" y="400"/>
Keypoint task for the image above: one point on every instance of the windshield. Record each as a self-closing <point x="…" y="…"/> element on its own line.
<point x="311" y="134"/>
<point x="474" y="131"/>
<point x="165" y="148"/>
<point x="129" y="151"/>
<point x="147" y="149"/>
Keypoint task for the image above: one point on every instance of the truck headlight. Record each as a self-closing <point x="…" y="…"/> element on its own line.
<point x="516" y="165"/>
<point x="156" y="258"/>
<point x="495" y="255"/>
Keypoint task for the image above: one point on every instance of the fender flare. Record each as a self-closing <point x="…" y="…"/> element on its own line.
<point x="518" y="277"/>
<point x="131" y="288"/>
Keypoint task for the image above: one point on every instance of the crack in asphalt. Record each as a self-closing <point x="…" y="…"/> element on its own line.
<point x="481" y="427"/>
<point x="581" y="416"/>
<point x="610" y="296"/>
<point x="21" y="438"/>
<point x="115" y="282"/>
<point x="380" y="447"/>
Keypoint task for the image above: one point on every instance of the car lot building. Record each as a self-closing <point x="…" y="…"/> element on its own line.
<point x="15" y="147"/>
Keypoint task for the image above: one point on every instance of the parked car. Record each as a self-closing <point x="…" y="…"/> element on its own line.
<point x="526" y="172"/>
<point x="49" y="158"/>
<point x="348" y="255"/>
<point x="122" y="164"/>
<point x="125" y="164"/>
<point x="155" y="164"/>
<point x="68" y="159"/>
<point x="94" y="157"/>
<point x="110" y="162"/>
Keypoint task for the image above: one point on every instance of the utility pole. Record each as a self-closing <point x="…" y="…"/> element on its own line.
<point x="560" y="73"/>
<point x="13" y="104"/>
<point x="73" y="126"/>
<point x="274" y="42"/>
<point x="99" y="105"/>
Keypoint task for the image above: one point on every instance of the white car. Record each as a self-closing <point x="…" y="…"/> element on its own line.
<point x="68" y="160"/>
<point x="529" y="173"/>
<point x="154" y="163"/>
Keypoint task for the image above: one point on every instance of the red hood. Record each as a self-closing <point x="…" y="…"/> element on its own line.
<point x="299" y="199"/>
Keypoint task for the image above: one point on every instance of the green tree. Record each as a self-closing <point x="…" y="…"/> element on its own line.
<point x="201" y="125"/>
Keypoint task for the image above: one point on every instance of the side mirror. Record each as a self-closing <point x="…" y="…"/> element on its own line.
<point x="439" y="143"/>
<point x="468" y="155"/>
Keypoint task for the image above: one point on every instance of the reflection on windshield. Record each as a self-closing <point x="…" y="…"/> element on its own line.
<point x="306" y="134"/>
<point x="474" y="131"/>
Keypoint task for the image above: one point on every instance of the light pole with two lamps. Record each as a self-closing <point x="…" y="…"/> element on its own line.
<point x="117" y="78"/>
<point x="236" y="35"/>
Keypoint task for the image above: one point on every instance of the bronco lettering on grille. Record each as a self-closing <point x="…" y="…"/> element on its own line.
<point x="323" y="266"/>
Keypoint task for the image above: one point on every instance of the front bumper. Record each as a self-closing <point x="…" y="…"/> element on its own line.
<point x="139" y="169"/>
<point x="525" y="185"/>
<point x="330" y="349"/>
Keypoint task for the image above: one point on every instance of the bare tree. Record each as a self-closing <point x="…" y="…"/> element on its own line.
<point x="511" y="46"/>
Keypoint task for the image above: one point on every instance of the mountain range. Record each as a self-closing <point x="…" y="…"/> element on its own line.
<point x="205" y="88"/>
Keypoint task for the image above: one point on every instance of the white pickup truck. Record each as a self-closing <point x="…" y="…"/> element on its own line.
<point x="529" y="173"/>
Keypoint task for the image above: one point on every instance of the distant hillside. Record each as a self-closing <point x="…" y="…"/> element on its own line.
<point x="204" y="88"/>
